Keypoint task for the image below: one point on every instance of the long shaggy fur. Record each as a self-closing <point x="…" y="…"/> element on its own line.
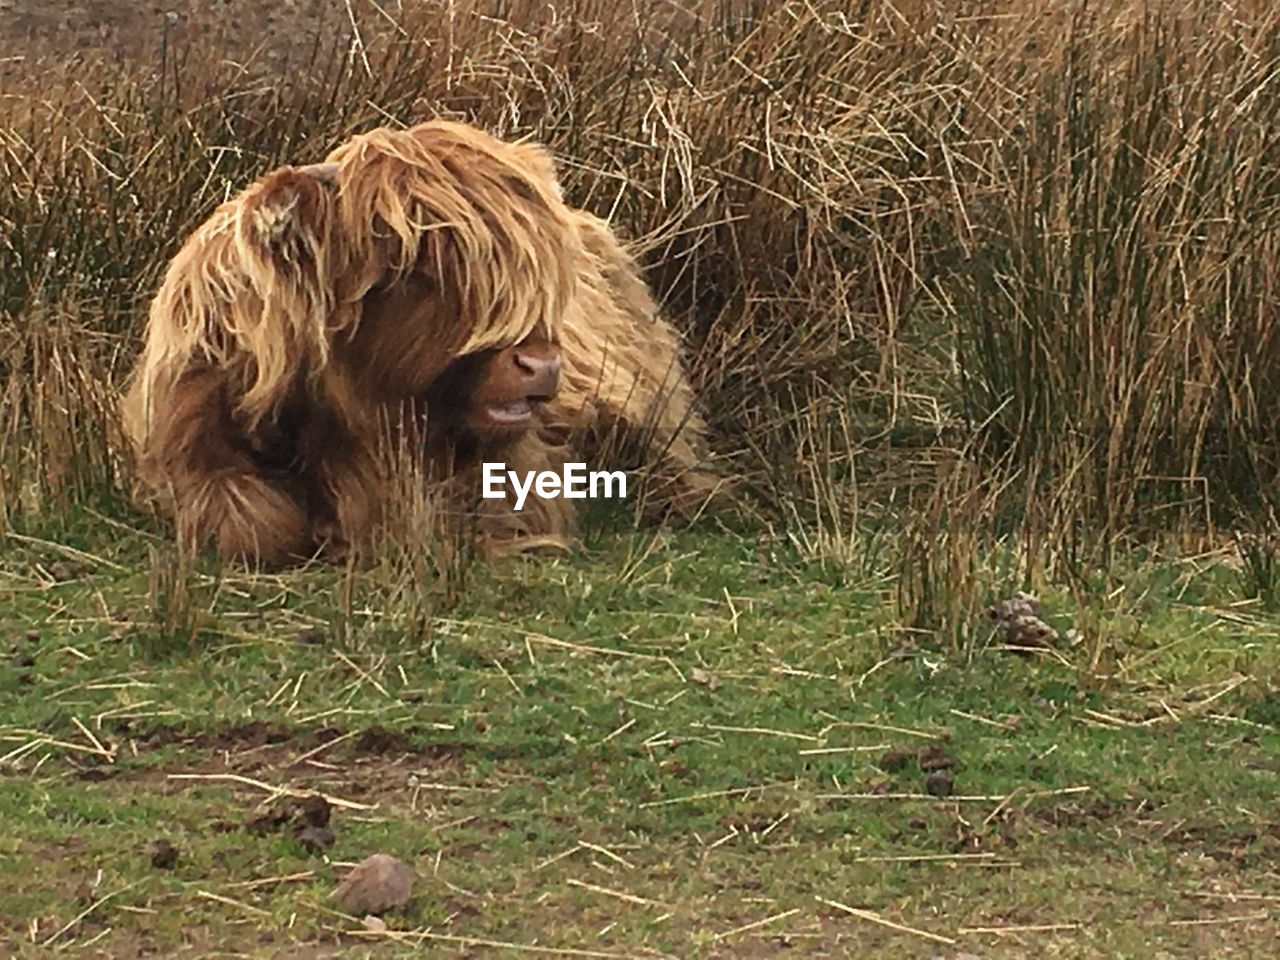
<point x="297" y="328"/>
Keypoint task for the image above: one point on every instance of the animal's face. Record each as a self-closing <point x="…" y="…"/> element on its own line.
<point x="511" y="385"/>
<point x="495" y="395"/>
<point x="402" y="252"/>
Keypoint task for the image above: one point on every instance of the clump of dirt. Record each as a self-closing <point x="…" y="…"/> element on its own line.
<point x="896" y="759"/>
<point x="163" y="854"/>
<point x="89" y="773"/>
<point x="310" y="637"/>
<point x="1020" y="619"/>
<point x="380" y="740"/>
<point x="315" y="839"/>
<point x="236" y="738"/>
<point x="933" y="761"/>
<point x="927" y="759"/>
<point x="307" y="818"/>
<point x="939" y="783"/>
<point x="934" y="758"/>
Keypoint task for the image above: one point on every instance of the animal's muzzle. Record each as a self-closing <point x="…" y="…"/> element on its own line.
<point x="538" y="371"/>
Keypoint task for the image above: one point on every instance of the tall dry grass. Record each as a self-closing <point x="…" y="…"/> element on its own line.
<point x="976" y="271"/>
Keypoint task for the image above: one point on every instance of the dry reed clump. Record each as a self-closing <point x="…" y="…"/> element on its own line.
<point x="1034" y="241"/>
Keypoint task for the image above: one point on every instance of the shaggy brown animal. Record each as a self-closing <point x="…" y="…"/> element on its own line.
<point x="330" y="308"/>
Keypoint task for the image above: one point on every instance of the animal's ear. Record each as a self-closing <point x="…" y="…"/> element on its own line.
<point x="285" y="215"/>
<point x="276" y="289"/>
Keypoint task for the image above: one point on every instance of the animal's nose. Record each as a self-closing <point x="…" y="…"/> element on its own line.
<point x="540" y="371"/>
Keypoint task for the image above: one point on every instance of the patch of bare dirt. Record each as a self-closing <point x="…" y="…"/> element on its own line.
<point x="126" y="944"/>
<point x="276" y="742"/>
<point x="1244" y="847"/>
<point x="372" y="765"/>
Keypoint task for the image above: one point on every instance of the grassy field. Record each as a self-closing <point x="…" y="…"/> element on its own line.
<point x="637" y="752"/>
<point x="980" y="298"/>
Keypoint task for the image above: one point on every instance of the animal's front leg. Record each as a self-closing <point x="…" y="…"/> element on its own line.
<point x="198" y="459"/>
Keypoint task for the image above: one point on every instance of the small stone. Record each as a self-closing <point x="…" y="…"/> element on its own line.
<point x="375" y="885"/>
<point x="374" y="924"/>
<point x="706" y="679"/>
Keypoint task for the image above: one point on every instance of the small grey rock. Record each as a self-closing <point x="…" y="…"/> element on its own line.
<point x="375" y="885"/>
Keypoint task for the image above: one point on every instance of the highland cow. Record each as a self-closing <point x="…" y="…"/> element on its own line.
<point x="428" y="282"/>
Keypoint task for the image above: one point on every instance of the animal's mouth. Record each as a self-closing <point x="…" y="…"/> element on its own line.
<point x="515" y="412"/>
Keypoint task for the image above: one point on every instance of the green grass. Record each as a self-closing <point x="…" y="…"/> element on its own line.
<point x="568" y="730"/>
